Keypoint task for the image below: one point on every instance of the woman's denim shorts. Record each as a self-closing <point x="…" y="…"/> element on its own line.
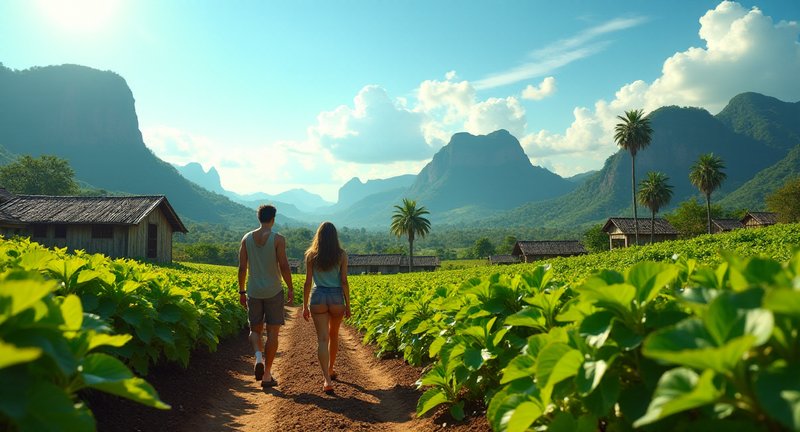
<point x="326" y="296"/>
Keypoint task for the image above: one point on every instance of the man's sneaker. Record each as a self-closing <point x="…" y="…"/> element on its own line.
<point x="259" y="371"/>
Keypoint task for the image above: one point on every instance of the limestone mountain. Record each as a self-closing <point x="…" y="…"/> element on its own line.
<point x="209" y="180"/>
<point x="88" y="117"/>
<point x="487" y="171"/>
<point x="680" y="136"/>
<point x="355" y="190"/>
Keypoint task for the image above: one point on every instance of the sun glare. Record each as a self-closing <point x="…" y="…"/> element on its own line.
<point x="79" y="16"/>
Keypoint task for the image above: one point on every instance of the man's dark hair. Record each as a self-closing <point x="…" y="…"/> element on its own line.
<point x="266" y="213"/>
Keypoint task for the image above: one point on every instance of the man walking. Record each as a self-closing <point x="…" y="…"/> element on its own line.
<point x="263" y="253"/>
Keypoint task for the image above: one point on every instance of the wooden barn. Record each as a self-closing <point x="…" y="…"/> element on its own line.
<point x="759" y="219"/>
<point x="138" y="227"/>
<point x="294" y="265"/>
<point x="389" y="263"/>
<point x="622" y="233"/>
<point x="503" y="259"/>
<point x="529" y="251"/>
<point x="725" y="225"/>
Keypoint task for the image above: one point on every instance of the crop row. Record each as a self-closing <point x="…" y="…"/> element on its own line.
<point x="573" y="347"/>
<point x="74" y="321"/>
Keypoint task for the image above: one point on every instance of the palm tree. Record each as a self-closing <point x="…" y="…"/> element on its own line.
<point x="654" y="193"/>
<point x="707" y="175"/>
<point x="633" y="134"/>
<point x="408" y="220"/>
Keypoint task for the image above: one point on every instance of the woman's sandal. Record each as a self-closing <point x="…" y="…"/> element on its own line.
<point x="328" y="390"/>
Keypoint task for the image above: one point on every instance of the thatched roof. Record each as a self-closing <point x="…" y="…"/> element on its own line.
<point x="421" y="261"/>
<point x="727" y="224"/>
<point x="503" y="259"/>
<point x="5" y="195"/>
<point x="391" y="260"/>
<point x="549" y="247"/>
<point x="626" y="226"/>
<point x="762" y="218"/>
<point x="129" y="210"/>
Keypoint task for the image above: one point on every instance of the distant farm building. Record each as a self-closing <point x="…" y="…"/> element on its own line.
<point x="759" y="219"/>
<point x="529" y="251"/>
<point x="622" y="232"/>
<point x="133" y="227"/>
<point x="294" y="265"/>
<point x="503" y="259"/>
<point x="725" y="225"/>
<point x="389" y="263"/>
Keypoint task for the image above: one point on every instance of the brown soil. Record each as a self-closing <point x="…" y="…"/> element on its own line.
<point x="219" y="393"/>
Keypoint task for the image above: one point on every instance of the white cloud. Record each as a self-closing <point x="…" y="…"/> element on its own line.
<point x="558" y="54"/>
<point x="546" y="88"/>
<point x="744" y="51"/>
<point x="496" y="113"/>
<point x="375" y="130"/>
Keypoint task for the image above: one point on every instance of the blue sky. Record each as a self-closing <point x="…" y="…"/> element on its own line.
<point x="279" y="95"/>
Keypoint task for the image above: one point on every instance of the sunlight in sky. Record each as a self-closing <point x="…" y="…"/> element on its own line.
<point x="80" y="16"/>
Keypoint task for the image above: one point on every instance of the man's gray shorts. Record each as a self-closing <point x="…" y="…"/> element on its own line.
<point x="269" y="310"/>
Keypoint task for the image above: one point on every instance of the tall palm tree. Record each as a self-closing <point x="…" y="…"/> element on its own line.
<point x="707" y="176"/>
<point x="654" y="193"/>
<point x="409" y="220"/>
<point x="633" y="134"/>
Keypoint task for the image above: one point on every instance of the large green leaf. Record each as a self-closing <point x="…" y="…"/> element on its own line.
<point x="98" y="340"/>
<point x="135" y="389"/>
<point x="11" y="355"/>
<point x="726" y="320"/>
<point x="23" y="294"/>
<point x="523" y="416"/>
<point x="521" y="366"/>
<point x="689" y="344"/>
<point x="527" y="317"/>
<point x="783" y="301"/>
<point x="565" y="422"/>
<point x="616" y="297"/>
<point x="649" y="278"/>
<point x="678" y="390"/>
<point x="102" y="368"/>
<point x="778" y="391"/>
<point x="556" y="362"/>
<point x="430" y="400"/>
<point x="596" y="327"/>
<point x="50" y="409"/>
<point x="72" y="312"/>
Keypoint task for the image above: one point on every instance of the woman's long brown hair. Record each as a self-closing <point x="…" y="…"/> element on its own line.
<point x="325" y="252"/>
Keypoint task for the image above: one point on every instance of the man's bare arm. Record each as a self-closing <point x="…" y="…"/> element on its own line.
<point x="283" y="263"/>
<point x="242" y="273"/>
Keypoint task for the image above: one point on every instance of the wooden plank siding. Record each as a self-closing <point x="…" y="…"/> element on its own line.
<point x="138" y="237"/>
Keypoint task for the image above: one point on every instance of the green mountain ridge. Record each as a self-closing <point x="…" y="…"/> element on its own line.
<point x="88" y="117"/>
<point x="752" y="194"/>
<point x="680" y="136"/>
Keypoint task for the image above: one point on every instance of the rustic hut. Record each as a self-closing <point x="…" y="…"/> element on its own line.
<point x="503" y="259"/>
<point x="389" y="263"/>
<point x="294" y="265"/>
<point x="759" y="219"/>
<point x="725" y="225"/>
<point x="622" y="233"/>
<point x="528" y="251"/>
<point x="422" y="263"/>
<point x="134" y="226"/>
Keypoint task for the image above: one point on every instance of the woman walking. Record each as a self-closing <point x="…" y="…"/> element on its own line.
<point x="328" y="302"/>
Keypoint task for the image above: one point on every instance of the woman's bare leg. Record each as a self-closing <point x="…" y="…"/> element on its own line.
<point x="336" y="313"/>
<point x="321" y="322"/>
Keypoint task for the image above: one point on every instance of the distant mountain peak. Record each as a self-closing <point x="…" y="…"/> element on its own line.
<point x="484" y="170"/>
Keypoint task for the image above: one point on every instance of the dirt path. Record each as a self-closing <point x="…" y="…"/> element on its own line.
<point x="219" y="393"/>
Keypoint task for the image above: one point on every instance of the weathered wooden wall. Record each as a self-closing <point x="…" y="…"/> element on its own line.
<point x="138" y="237"/>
